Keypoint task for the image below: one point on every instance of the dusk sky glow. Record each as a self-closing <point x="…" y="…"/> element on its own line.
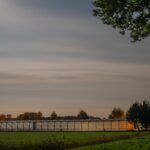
<point x="56" y="56"/>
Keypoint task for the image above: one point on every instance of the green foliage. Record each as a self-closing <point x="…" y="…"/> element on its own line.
<point x="140" y="113"/>
<point x="117" y="113"/>
<point x="145" y="114"/>
<point x="127" y="15"/>
<point x="134" y="113"/>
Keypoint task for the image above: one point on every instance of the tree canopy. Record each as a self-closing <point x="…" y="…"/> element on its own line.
<point x="139" y="113"/>
<point x="126" y="15"/>
<point x="83" y="115"/>
<point x="54" y="115"/>
<point x="30" y="116"/>
<point x="117" y="113"/>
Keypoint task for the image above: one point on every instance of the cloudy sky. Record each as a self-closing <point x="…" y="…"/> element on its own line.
<point x="55" y="56"/>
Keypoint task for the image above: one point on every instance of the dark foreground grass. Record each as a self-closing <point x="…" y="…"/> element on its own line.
<point x="140" y="143"/>
<point x="67" y="137"/>
<point x="59" y="140"/>
<point x="45" y="145"/>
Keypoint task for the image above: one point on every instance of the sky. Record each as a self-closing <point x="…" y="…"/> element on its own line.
<point x="56" y="56"/>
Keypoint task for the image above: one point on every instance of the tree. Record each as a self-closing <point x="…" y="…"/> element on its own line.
<point x="9" y="116"/>
<point x="54" y="115"/>
<point x="139" y="113"/>
<point x="20" y="117"/>
<point x="117" y="113"/>
<point x="2" y="117"/>
<point x="83" y="115"/>
<point x="39" y="115"/>
<point x="30" y="116"/>
<point x="126" y="15"/>
<point x="134" y="113"/>
<point x="145" y="114"/>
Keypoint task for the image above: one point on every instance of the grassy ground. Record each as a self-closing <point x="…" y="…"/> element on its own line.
<point x="140" y="143"/>
<point x="81" y="137"/>
<point x="70" y="139"/>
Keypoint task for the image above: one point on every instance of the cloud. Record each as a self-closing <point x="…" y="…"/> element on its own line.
<point x="27" y="31"/>
<point x="71" y="70"/>
<point x="64" y="57"/>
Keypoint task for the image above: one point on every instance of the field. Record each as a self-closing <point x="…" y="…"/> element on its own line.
<point x="69" y="140"/>
<point x="140" y="143"/>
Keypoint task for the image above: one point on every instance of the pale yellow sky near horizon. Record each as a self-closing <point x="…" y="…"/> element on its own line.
<point x="33" y="86"/>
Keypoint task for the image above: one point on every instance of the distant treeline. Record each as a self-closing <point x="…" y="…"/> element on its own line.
<point x="138" y="114"/>
<point x="39" y="116"/>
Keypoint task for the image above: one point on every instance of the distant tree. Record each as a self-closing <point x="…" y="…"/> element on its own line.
<point x="139" y="113"/>
<point x="54" y="115"/>
<point x="9" y="116"/>
<point x="117" y="113"/>
<point x="83" y="115"/>
<point x="20" y="117"/>
<point x="126" y="15"/>
<point x="30" y="116"/>
<point x="39" y="115"/>
<point x="2" y="117"/>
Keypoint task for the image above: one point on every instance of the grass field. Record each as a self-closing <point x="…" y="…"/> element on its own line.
<point x="69" y="139"/>
<point x="140" y="143"/>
